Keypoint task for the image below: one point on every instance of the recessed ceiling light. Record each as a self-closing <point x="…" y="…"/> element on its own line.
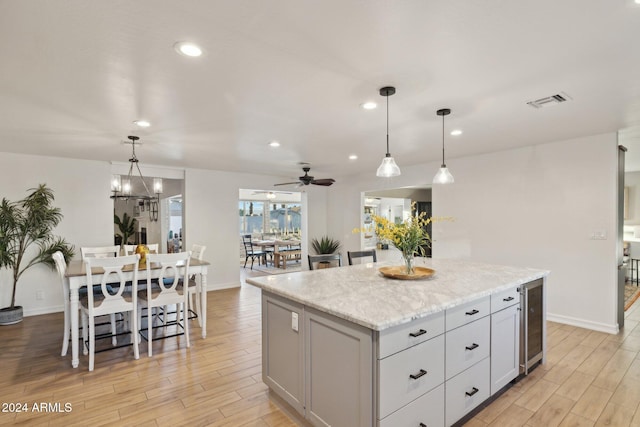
<point x="188" y="49"/>
<point x="353" y="157"/>
<point x="274" y="144"/>
<point x="369" y="105"/>
<point x="456" y="132"/>
<point x="142" y="123"/>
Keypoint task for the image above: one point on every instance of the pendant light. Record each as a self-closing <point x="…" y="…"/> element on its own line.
<point x="388" y="167"/>
<point x="443" y="176"/>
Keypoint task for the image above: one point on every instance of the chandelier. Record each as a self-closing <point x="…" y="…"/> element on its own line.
<point x="121" y="186"/>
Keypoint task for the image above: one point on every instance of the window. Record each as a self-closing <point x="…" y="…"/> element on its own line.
<point x="282" y="218"/>
<point x="251" y="216"/>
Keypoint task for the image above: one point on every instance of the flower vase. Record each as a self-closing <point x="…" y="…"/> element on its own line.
<point x="408" y="263"/>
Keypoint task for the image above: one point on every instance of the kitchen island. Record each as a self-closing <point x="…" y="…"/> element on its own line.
<point x="349" y="347"/>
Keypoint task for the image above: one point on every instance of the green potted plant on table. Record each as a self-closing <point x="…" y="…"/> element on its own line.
<point x="26" y="239"/>
<point x="325" y="246"/>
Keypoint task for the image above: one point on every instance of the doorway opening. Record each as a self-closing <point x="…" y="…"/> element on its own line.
<point x="143" y="221"/>
<point x="274" y="222"/>
<point x="396" y="206"/>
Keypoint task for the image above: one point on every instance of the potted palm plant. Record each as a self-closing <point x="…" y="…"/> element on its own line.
<point x="26" y="239"/>
<point x="126" y="225"/>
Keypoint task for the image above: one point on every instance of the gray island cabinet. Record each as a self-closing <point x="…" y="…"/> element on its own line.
<point x="348" y="347"/>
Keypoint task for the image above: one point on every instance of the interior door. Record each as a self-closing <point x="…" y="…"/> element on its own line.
<point x="620" y="244"/>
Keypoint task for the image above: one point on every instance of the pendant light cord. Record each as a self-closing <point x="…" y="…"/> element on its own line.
<point x="388" y="154"/>
<point x="443" y="164"/>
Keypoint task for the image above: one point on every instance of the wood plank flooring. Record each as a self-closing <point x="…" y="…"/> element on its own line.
<point x="591" y="378"/>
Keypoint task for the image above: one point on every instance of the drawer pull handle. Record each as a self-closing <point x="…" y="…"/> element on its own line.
<point x="507" y="299"/>
<point x="423" y="425"/>
<point x="472" y="392"/>
<point x="418" y="375"/>
<point x="417" y="334"/>
<point x="472" y="346"/>
<point x="472" y="312"/>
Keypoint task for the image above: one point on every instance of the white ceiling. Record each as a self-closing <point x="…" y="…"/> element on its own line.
<point x="75" y="74"/>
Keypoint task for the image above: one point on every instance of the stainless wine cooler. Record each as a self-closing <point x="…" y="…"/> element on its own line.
<point x="531" y="325"/>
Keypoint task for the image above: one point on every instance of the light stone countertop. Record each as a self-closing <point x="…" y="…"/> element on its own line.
<point x="360" y="293"/>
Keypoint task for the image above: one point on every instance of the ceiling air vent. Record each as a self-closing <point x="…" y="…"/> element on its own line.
<point x="549" y="100"/>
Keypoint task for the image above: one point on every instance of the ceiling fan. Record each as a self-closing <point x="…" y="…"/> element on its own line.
<point x="307" y="179"/>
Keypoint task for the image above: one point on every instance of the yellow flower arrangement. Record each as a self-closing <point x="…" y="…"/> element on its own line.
<point x="409" y="236"/>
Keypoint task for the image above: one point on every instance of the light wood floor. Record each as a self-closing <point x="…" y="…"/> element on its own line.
<point x="590" y="379"/>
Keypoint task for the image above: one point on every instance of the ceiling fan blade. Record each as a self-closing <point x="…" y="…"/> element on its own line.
<point x="326" y="182"/>
<point x="287" y="183"/>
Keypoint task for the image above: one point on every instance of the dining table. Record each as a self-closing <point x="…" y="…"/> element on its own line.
<point x="280" y="255"/>
<point x="77" y="278"/>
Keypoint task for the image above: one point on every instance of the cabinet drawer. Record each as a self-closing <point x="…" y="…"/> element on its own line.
<point x="466" y="391"/>
<point x="467" y="345"/>
<point x="395" y="339"/>
<point x="504" y="299"/>
<point x="409" y="374"/>
<point x="467" y="313"/>
<point x="426" y="410"/>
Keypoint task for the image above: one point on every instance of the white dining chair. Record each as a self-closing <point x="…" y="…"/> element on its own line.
<point x="111" y="300"/>
<point x="100" y="252"/>
<point x="61" y="267"/>
<point x="197" y="252"/>
<point x="169" y="290"/>
<point x="129" y="249"/>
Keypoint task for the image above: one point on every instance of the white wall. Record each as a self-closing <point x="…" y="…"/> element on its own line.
<point x="537" y="207"/>
<point x="534" y="206"/>
<point x="81" y="190"/>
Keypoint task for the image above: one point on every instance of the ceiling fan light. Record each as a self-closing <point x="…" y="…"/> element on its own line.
<point x="443" y="176"/>
<point x="388" y="168"/>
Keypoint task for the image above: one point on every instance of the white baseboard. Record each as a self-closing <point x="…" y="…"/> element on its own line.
<point x="221" y="286"/>
<point x="42" y="310"/>
<point x="581" y="323"/>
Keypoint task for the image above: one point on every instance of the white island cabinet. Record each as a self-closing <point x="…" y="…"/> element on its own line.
<point x="348" y="347"/>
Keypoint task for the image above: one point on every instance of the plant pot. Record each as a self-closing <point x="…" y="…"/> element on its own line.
<point x="11" y="315"/>
<point x="324" y="264"/>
